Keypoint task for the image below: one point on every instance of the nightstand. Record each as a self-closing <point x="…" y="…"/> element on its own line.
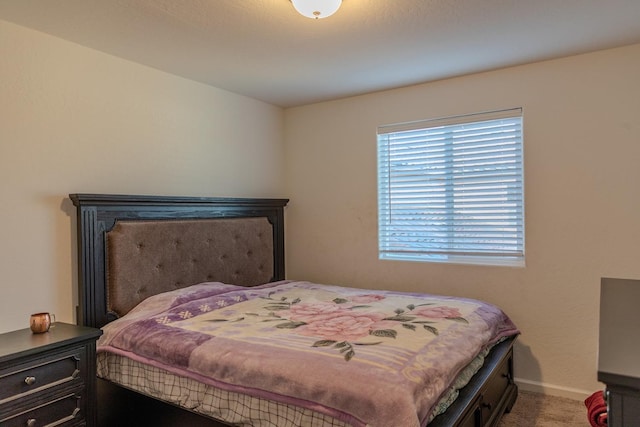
<point x="618" y="350"/>
<point x="49" y="378"/>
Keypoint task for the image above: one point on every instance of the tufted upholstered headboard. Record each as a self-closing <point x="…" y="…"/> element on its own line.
<point x="132" y="247"/>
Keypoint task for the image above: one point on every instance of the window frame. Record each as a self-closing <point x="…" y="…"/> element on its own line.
<point x="513" y="204"/>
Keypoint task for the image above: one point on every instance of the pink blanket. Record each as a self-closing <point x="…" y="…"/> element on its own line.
<point x="375" y="358"/>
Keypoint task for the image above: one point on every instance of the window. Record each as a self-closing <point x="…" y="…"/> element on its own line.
<point x="451" y="190"/>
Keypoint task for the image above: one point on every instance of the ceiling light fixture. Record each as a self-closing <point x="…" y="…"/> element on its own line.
<point x="316" y="8"/>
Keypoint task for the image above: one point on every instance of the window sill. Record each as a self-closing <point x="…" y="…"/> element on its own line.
<point x="460" y="259"/>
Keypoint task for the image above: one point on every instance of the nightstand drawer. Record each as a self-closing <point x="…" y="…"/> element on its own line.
<point x="63" y="411"/>
<point x="41" y="374"/>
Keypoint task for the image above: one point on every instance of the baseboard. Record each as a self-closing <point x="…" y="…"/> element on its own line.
<point x="552" y="389"/>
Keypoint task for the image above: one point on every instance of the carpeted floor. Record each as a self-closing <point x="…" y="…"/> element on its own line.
<point x="538" y="410"/>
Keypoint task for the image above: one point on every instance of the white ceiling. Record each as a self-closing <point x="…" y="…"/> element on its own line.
<point x="264" y="49"/>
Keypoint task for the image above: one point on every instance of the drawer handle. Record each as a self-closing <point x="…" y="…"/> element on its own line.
<point x="30" y="380"/>
<point x="31" y="422"/>
<point x="486" y="405"/>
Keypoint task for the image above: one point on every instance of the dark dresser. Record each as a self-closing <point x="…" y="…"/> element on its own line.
<point x="619" y="350"/>
<point x="48" y="378"/>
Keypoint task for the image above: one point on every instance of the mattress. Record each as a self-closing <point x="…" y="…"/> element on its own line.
<point x="232" y="407"/>
<point x="400" y="361"/>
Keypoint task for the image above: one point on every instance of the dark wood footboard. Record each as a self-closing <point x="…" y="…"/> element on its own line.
<point x="489" y="394"/>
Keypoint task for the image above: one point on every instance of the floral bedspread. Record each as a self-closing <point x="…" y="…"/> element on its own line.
<point x="375" y="358"/>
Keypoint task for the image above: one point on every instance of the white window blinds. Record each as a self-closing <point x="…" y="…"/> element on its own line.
<point x="451" y="189"/>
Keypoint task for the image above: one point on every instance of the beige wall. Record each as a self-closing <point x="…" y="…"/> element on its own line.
<point x="77" y="120"/>
<point x="582" y="172"/>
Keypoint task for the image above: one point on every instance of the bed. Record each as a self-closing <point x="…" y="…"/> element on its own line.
<point x="146" y="264"/>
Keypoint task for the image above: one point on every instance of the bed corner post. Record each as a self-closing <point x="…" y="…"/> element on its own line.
<point x="89" y="278"/>
<point x="278" y="241"/>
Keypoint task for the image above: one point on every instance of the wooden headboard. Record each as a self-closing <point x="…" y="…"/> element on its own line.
<point x="132" y="247"/>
